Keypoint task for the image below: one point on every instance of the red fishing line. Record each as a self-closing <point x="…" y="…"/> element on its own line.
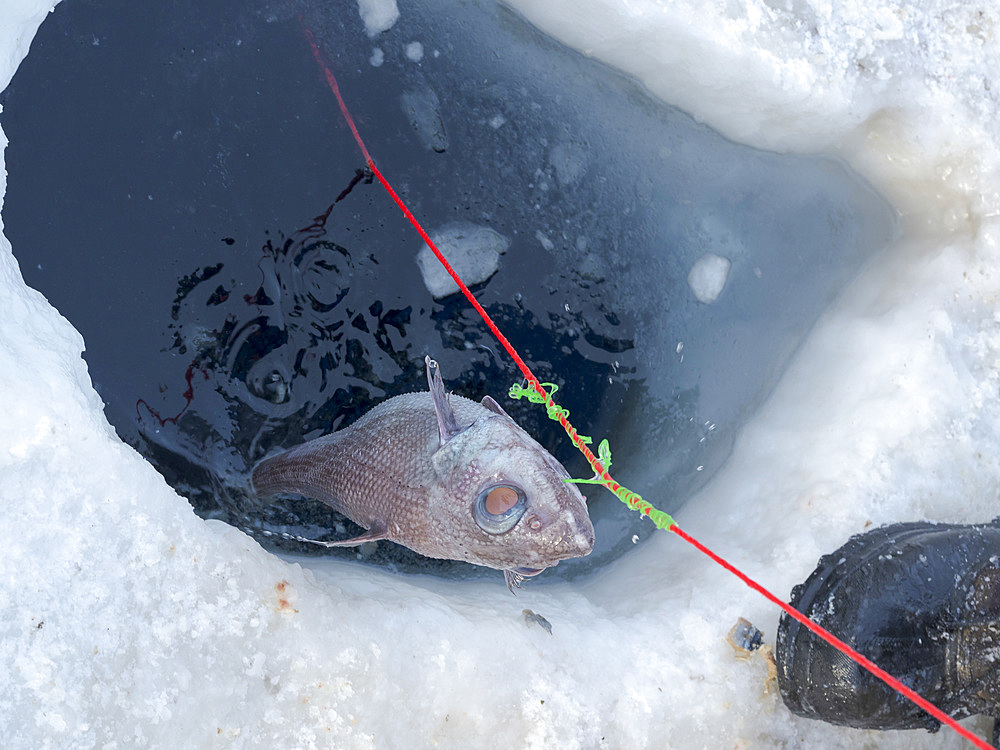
<point x="634" y="500"/>
<point x="834" y="641"/>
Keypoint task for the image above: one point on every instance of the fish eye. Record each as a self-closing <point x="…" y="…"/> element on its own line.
<point x="499" y="507"/>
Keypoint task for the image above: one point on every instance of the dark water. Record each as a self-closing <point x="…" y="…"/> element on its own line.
<point x="182" y="188"/>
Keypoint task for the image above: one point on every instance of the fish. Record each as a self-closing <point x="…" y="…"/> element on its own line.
<point x="448" y="477"/>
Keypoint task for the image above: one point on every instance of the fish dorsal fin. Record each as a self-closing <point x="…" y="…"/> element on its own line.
<point x="447" y="424"/>
<point x="490" y="403"/>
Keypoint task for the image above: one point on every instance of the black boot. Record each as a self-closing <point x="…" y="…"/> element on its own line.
<point x="922" y="601"/>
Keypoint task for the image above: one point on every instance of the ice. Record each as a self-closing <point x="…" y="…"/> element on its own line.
<point x="414" y="51"/>
<point x="423" y="109"/>
<point x="708" y="277"/>
<point x="570" y="162"/>
<point x="378" y="15"/>
<point x="473" y="251"/>
<point x="544" y="241"/>
<point x="126" y="621"/>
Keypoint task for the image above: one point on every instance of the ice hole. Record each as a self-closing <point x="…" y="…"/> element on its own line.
<point x="222" y="321"/>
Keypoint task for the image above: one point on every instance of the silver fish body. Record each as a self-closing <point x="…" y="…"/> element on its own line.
<point x="448" y="477"/>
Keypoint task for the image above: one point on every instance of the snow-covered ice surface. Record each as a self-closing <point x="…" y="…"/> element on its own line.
<point x="127" y="621"/>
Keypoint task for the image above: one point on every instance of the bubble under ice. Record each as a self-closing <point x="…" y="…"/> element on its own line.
<point x="116" y="597"/>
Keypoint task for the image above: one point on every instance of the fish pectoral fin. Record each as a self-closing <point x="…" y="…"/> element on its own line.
<point x="513" y="580"/>
<point x="515" y="576"/>
<point x="378" y="531"/>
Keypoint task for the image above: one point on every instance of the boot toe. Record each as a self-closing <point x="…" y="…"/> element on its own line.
<point x="922" y="601"/>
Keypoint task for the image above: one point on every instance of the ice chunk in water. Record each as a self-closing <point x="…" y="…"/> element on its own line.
<point x="570" y="162"/>
<point x="415" y="51"/>
<point x="473" y="251"/>
<point x="378" y="15"/>
<point x="708" y="276"/>
<point x="423" y="109"/>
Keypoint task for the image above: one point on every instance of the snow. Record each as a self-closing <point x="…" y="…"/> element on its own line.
<point x="708" y="276"/>
<point x="127" y="621"/>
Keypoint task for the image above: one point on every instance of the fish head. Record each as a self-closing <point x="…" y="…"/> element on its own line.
<point x="505" y="499"/>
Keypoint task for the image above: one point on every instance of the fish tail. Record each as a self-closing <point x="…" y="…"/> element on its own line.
<point x="276" y="475"/>
<point x="300" y="471"/>
<point x="290" y="472"/>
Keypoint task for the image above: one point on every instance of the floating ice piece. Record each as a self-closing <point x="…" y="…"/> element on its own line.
<point x="570" y="162"/>
<point x="548" y="244"/>
<point x="415" y="51"/>
<point x="708" y="276"/>
<point x="378" y="15"/>
<point x="473" y="251"/>
<point x="423" y="109"/>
